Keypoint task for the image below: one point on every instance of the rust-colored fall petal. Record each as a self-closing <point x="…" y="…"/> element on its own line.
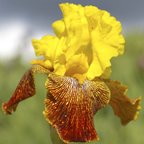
<point x="24" y="90"/>
<point x="70" y="107"/>
<point x="124" y="107"/>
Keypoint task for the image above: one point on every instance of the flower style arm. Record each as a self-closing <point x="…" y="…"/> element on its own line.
<point x="24" y="90"/>
<point x="125" y="108"/>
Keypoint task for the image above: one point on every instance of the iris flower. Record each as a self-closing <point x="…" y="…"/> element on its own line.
<point x="76" y="60"/>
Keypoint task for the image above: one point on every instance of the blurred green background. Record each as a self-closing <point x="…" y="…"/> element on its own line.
<point x="28" y="126"/>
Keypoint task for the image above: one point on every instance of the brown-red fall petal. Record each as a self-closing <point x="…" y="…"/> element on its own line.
<point x="70" y="107"/>
<point x="24" y="90"/>
<point x="125" y="108"/>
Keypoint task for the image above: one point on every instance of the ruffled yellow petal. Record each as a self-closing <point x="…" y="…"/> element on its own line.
<point x="125" y="108"/>
<point x="46" y="46"/>
<point x="107" y="42"/>
<point x="86" y="31"/>
<point x="76" y="25"/>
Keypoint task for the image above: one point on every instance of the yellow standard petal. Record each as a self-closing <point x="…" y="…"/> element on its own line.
<point x="85" y="40"/>
<point x="46" y="47"/>
<point x="107" y="42"/>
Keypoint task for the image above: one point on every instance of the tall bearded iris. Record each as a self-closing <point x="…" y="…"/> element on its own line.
<point x="77" y="62"/>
